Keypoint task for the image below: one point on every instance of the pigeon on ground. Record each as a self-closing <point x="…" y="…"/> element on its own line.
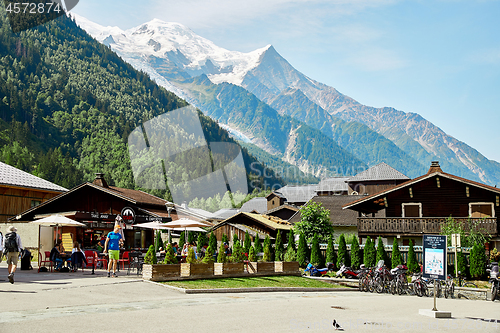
<point x="337" y="326"/>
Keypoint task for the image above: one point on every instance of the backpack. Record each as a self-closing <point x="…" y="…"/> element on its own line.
<point x="11" y="242"/>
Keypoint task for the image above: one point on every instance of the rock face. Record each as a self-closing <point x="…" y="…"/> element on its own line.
<point x="194" y="68"/>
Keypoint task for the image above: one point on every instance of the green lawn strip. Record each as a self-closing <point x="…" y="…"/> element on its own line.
<point x="252" y="282"/>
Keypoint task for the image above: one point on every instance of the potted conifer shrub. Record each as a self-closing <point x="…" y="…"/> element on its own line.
<point x="192" y="268"/>
<point x="232" y="265"/>
<point x="265" y="266"/>
<point x="163" y="271"/>
<point x="285" y="261"/>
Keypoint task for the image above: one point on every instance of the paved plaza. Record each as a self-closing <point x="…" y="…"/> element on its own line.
<point x="82" y="302"/>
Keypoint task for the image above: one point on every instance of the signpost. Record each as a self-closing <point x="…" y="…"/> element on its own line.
<point x="434" y="259"/>
<point x="455" y="242"/>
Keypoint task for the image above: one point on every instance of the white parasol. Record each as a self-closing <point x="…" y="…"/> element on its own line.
<point x="184" y="224"/>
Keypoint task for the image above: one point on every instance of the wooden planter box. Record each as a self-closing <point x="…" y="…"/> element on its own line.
<point x="286" y="266"/>
<point x="196" y="269"/>
<point x="261" y="267"/>
<point x="160" y="272"/>
<point x="228" y="268"/>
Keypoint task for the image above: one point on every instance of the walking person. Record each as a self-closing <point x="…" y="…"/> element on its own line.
<point x="11" y="247"/>
<point x="113" y="242"/>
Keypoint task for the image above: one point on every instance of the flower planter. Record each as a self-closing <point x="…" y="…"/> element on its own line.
<point x="228" y="268"/>
<point x="160" y="272"/>
<point x="261" y="267"/>
<point x="286" y="266"/>
<point x="198" y="269"/>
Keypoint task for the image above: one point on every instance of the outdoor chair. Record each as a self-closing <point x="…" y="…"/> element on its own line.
<point x="124" y="259"/>
<point x="135" y="261"/>
<point x="102" y="260"/>
<point x="45" y="261"/>
<point x="90" y="257"/>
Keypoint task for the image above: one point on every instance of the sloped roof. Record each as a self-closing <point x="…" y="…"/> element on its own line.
<point x="380" y="171"/>
<point x="270" y="221"/>
<point x="258" y="204"/>
<point x="285" y="206"/>
<point x="335" y="184"/>
<point x="301" y="193"/>
<point x="12" y="176"/>
<point x="334" y="203"/>
<point x="430" y="174"/>
<point x="225" y="213"/>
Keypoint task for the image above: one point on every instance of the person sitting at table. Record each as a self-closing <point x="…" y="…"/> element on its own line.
<point x="227" y="249"/>
<point x="55" y="255"/>
<point x="185" y="249"/>
<point x="175" y="247"/>
<point x="77" y="257"/>
<point x="203" y="250"/>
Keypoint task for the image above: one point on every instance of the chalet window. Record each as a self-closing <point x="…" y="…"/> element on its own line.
<point x="412" y="209"/>
<point x="35" y="203"/>
<point x="481" y="209"/>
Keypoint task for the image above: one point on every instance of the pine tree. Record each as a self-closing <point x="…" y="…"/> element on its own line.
<point x="397" y="258"/>
<point x="247" y="243"/>
<point x="278" y="248"/>
<point x="462" y="264"/>
<point x="150" y="257"/>
<point x="267" y="251"/>
<point x="381" y="254"/>
<point x="202" y="240"/>
<point x="251" y="254"/>
<point x="291" y="240"/>
<point x="302" y="250"/>
<point x="221" y="257"/>
<point x="191" y="257"/>
<point x="170" y="257"/>
<point x="477" y="261"/>
<point x="209" y="256"/>
<point x="225" y="239"/>
<point x="413" y="266"/>
<point x="235" y="238"/>
<point x="316" y="257"/>
<point x="182" y="240"/>
<point x="369" y="253"/>
<point x="257" y="245"/>
<point x="330" y="251"/>
<point x="237" y="255"/>
<point x="342" y="256"/>
<point x="212" y="241"/>
<point x="290" y="254"/>
<point x="158" y="242"/>
<point x="191" y="237"/>
<point x="355" y="253"/>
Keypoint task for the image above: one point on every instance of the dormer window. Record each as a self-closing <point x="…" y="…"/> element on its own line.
<point x="412" y="209"/>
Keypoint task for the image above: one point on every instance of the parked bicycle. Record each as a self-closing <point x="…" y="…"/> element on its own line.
<point x="419" y="285"/>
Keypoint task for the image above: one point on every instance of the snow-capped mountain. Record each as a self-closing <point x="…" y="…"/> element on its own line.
<point x="172" y="54"/>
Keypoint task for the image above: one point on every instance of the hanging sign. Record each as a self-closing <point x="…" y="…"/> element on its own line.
<point x="128" y="215"/>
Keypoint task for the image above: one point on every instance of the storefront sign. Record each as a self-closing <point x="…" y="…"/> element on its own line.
<point x="434" y="257"/>
<point x="128" y="215"/>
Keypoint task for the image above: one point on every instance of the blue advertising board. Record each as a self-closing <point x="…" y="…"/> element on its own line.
<point x="434" y="253"/>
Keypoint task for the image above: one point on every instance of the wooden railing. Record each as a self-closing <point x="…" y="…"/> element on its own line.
<point x="419" y="225"/>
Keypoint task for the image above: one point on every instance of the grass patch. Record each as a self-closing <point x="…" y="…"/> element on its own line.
<point x="253" y="282"/>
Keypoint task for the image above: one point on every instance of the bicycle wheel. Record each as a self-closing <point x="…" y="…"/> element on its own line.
<point x="379" y="285"/>
<point x="417" y="286"/>
<point x="393" y="287"/>
<point x="469" y="285"/>
<point x="425" y="290"/>
<point x="449" y="290"/>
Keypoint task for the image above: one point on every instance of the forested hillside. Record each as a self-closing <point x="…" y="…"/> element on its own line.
<point x="68" y="104"/>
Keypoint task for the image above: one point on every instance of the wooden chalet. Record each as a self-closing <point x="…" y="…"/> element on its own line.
<point x="343" y="221"/>
<point x="255" y="224"/>
<point x="375" y="179"/>
<point x="97" y="205"/>
<point x="422" y="205"/>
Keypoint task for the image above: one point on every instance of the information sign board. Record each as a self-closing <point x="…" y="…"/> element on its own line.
<point x="434" y="253"/>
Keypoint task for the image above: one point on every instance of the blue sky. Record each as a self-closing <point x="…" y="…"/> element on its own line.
<point x="440" y="59"/>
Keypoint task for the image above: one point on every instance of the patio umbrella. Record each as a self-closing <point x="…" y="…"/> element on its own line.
<point x="56" y="220"/>
<point x="184" y="223"/>
<point x="152" y="225"/>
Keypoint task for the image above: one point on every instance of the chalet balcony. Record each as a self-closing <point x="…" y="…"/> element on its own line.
<point x="411" y="226"/>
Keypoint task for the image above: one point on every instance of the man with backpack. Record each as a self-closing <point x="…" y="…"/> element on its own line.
<point x="11" y="248"/>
